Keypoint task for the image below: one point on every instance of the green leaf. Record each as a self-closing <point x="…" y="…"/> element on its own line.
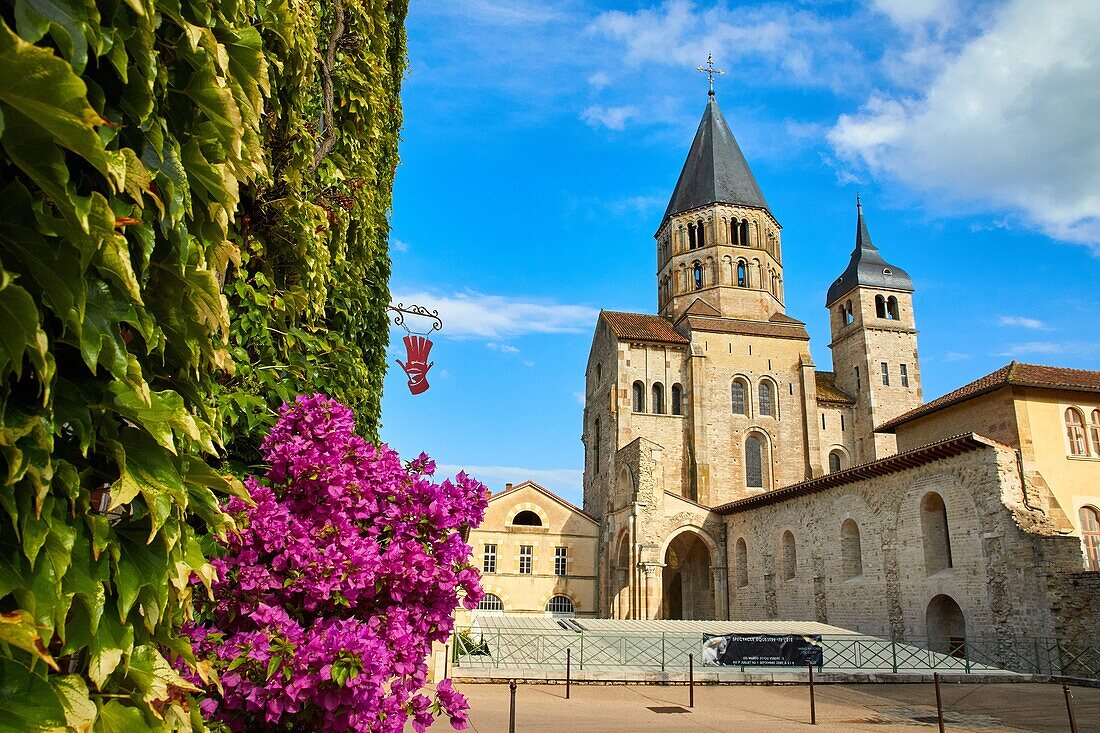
<point x="19" y="331"/>
<point x="28" y="703"/>
<point x="44" y="88"/>
<point x="150" y="471"/>
<point x="153" y="676"/>
<point x="114" y="717"/>
<point x="80" y="711"/>
<point x="18" y="629"/>
<point x="112" y="643"/>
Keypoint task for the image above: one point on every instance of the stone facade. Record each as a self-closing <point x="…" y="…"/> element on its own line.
<point x="707" y="428"/>
<point x="529" y="516"/>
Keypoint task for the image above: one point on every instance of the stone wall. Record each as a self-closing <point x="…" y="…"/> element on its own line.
<point x="997" y="569"/>
<point x="1077" y="606"/>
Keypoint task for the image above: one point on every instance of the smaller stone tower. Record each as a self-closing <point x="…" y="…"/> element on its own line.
<point x="874" y="342"/>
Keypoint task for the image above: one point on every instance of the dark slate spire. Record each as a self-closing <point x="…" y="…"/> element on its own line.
<point x="867" y="268"/>
<point x="715" y="170"/>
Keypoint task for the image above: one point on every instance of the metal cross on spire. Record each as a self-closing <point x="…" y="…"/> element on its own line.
<point x="711" y="72"/>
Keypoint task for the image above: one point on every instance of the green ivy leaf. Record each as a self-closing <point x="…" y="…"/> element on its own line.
<point x="18" y="629"/>
<point x="114" y="717"/>
<point x="45" y="89"/>
<point x="28" y="703"/>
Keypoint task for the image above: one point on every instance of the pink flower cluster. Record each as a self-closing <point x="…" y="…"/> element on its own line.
<point x="345" y="570"/>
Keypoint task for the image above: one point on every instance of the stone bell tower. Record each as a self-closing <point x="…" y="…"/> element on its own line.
<point x="718" y="241"/>
<point x="874" y="342"/>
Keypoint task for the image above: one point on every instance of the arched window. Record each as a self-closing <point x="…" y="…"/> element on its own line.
<point x="742" y="275"/>
<point x="677" y="400"/>
<point x="561" y="607"/>
<point x="892" y="308"/>
<point x="754" y="470"/>
<point x="836" y="462"/>
<point x="599" y="373"/>
<point x="788" y="557"/>
<point x="658" y="404"/>
<point x="935" y="533"/>
<point x="1094" y="431"/>
<point x="527" y="518"/>
<point x="700" y="238"/>
<point x="946" y="626"/>
<point x="1090" y="536"/>
<point x="851" y="553"/>
<point x="596" y="445"/>
<point x="880" y="306"/>
<point x="733" y="231"/>
<point x="849" y="314"/>
<point x="490" y="602"/>
<point x="697" y="275"/>
<point x="1075" y="431"/>
<point x="765" y="406"/>
<point x="639" y="397"/>
<point x="741" y="563"/>
<point x="744" y="232"/>
<point x="691" y="236"/>
<point x="737" y="394"/>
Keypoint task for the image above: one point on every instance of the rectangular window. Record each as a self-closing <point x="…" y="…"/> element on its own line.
<point x="561" y="554"/>
<point x="823" y="421"/>
<point x="525" y="553"/>
<point x="842" y="423"/>
<point x="858" y="385"/>
<point x="904" y="375"/>
<point x="489" y="561"/>
<point x="885" y="374"/>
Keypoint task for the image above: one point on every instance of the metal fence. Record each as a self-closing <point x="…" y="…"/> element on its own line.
<point x="668" y="651"/>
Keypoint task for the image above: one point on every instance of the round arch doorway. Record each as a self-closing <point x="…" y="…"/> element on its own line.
<point x="946" y="626"/>
<point x="688" y="584"/>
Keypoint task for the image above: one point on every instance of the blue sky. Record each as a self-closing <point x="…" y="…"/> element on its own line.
<point x="542" y="140"/>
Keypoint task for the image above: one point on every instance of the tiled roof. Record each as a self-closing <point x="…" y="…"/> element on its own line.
<point x="640" y="327"/>
<point x="547" y="492"/>
<point x="903" y="461"/>
<point x="700" y="307"/>
<point x="827" y="391"/>
<point x="749" y="328"/>
<point x="1014" y="374"/>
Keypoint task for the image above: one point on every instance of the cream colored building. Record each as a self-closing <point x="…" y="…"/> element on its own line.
<point x="715" y="402"/>
<point x="537" y="555"/>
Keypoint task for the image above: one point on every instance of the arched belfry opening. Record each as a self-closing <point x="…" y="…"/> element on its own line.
<point x="688" y="591"/>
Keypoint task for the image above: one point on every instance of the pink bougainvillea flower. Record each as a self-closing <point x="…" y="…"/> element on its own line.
<point x="347" y="566"/>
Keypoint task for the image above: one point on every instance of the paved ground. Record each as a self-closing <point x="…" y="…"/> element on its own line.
<point x="882" y="708"/>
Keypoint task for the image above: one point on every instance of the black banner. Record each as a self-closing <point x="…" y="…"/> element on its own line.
<point x="763" y="650"/>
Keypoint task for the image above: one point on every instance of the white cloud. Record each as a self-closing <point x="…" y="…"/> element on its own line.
<point x="1022" y="322"/>
<point x="1009" y="124"/>
<point x="562" y="481"/>
<point x="579" y="397"/>
<point x="599" y="80"/>
<point x="613" y="118"/>
<point x="772" y="40"/>
<point x="399" y="245"/>
<point x="910" y="12"/>
<point x="1063" y="348"/>
<point x="528" y="363"/>
<point x="955" y="356"/>
<point x="471" y="314"/>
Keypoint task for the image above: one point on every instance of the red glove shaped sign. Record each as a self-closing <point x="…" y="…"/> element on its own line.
<point x="417" y="349"/>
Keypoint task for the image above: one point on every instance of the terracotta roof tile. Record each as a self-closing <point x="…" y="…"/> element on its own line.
<point x="640" y="327"/>
<point x="827" y="391"/>
<point x="884" y="466"/>
<point x="1014" y="374"/>
<point x="748" y="328"/>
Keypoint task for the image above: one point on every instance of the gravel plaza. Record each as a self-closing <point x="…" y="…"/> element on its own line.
<point x="881" y="708"/>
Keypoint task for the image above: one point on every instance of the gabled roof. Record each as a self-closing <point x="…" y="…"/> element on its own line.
<point x="867" y="268"/>
<point x="715" y="170"/>
<point x="641" y="327"/>
<point x="700" y="307"/>
<point x="902" y="461"/>
<point x="548" y="494"/>
<point x="1013" y="374"/>
<point x="791" y="329"/>
<point x="827" y="391"/>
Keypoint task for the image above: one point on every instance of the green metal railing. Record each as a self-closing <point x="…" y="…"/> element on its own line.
<point x="668" y="651"/>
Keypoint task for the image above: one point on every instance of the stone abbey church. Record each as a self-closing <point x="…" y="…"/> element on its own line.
<point x="728" y="476"/>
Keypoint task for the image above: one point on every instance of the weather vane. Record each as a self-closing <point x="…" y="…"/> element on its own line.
<point x="711" y="72"/>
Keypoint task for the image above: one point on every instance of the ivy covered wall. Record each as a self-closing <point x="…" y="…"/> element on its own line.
<point x="193" y="226"/>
